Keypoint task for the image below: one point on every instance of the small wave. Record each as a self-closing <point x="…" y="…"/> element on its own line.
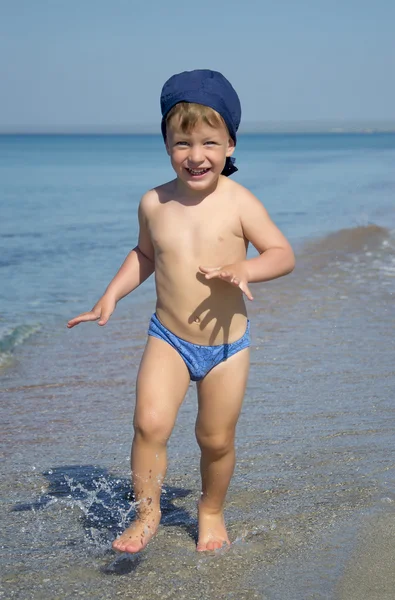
<point x="26" y="234"/>
<point x="352" y="241"/>
<point x="351" y="256"/>
<point x="9" y="340"/>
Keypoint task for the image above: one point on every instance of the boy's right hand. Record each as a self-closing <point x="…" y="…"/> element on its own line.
<point x="102" y="311"/>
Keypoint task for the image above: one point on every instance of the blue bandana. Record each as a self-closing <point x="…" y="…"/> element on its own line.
<point x="209" y="88"/>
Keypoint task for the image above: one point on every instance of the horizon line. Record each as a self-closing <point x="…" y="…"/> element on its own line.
<point x="258" y="127"/>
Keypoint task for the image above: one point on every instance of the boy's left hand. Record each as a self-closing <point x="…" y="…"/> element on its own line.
<point x="236" y="274"/>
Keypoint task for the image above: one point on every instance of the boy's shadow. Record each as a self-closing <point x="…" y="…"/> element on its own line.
<point x="106" y="505"/>
<point x="204" y="313"/>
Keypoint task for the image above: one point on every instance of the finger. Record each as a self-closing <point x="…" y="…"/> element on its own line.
<point x="89" y="316"/>
<point x="209" y="269"/>
<point x="246" y="290"/>
<point x="226" y="275"/>
<point x="215" y="273"/>
<point x="104" y="318"/>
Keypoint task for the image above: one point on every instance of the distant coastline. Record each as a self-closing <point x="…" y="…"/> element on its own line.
<point x="273" y="127"/>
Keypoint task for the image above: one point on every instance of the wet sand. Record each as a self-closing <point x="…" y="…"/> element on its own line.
<point x="370" y="571"/>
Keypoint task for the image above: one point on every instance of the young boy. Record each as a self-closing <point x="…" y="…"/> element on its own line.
<point x="194" y="234"/>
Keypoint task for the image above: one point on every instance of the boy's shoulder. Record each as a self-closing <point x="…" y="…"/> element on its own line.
<point x="238" y="192"/>
<point x="157" y="195"/>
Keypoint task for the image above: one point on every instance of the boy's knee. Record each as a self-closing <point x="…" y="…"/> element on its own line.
<point x="216" y="443"/>
<point x="152" y="428"/>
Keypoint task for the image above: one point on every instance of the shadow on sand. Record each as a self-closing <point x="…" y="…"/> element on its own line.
<point x="107" y="507"/>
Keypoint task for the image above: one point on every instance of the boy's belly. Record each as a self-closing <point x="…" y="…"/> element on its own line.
<point x="207" y="312"/>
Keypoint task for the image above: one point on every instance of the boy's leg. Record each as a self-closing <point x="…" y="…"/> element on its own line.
<point x="220" y="396"/>
<point x="162" y="383"/>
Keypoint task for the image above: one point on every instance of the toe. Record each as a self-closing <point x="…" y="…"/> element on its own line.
<point x="127" y="546"/>
<point x="208" y="546"/>
<point x="118" y="545"/>
<point x="133" y="548"/>
<point x="214" y="545"/>
<point x="211" y="545"/>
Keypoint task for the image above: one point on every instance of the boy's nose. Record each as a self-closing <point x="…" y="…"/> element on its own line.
<point x="196" y="155"/>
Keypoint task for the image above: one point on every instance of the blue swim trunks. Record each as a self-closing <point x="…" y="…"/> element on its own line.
<point x="198" y="359"/>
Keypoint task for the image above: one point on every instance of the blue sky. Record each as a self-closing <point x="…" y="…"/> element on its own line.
<point x="68" y="63"/>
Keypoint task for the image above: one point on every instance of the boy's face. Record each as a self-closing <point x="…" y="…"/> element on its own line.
<point x="198" y="157"/>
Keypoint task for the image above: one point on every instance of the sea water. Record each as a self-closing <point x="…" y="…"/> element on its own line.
<point x="316" y="436"/>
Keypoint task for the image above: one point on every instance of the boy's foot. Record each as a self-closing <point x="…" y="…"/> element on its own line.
<point x="136" y="537"/>
<point x="212" y="530"/>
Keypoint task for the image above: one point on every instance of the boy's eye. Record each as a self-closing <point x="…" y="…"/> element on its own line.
<point x="181" y="143"/>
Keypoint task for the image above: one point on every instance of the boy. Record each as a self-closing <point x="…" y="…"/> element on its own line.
<point x="194" y="234"/>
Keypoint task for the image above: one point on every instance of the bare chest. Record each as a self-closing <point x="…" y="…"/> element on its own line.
<point x="195" y="231"/>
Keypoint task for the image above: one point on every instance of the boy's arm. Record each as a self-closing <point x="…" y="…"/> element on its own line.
<point x="136" y="268"/>
<point x="276" y="257"/>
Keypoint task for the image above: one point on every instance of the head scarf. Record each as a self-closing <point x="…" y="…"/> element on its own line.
<point x="209" y="88"/>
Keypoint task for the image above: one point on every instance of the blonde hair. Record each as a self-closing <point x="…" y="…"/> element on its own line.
<point x="189" y="114"/>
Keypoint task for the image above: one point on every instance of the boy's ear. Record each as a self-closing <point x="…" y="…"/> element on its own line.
<point x="231" y="147"/>
<point x="167" y="146"/>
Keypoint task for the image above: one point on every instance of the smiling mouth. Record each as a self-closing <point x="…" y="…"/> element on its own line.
<point x="197" y="172"/>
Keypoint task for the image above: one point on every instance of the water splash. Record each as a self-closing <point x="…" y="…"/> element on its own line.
<point x="106" y="504"/>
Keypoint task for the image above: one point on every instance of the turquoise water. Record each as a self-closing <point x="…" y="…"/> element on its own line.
<point x="317" y="432"/>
